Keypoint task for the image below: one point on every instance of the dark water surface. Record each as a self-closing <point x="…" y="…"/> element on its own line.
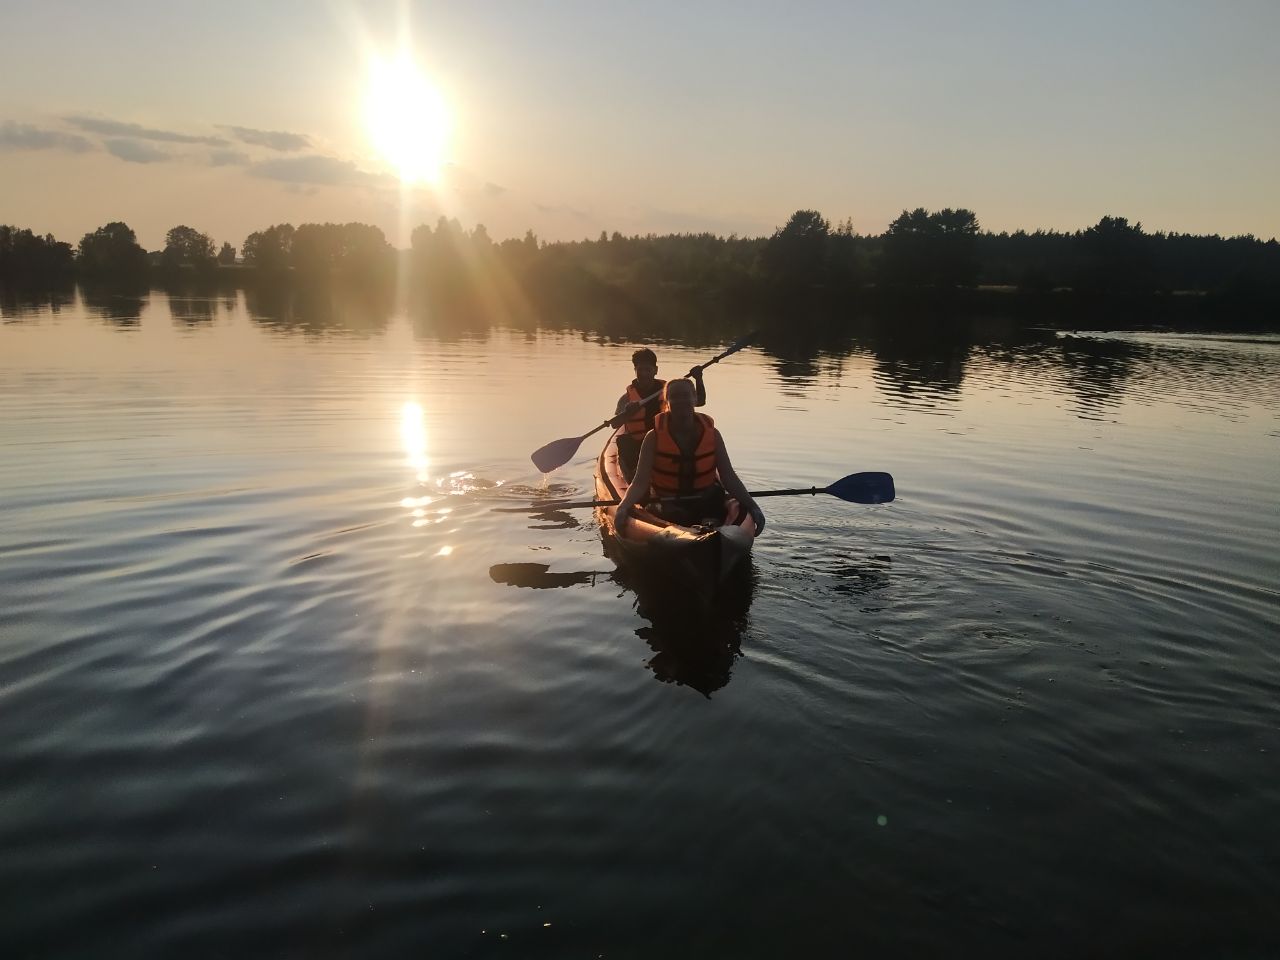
<point x="275" y="679"/>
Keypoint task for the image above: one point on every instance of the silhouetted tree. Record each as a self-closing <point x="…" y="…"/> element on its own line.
<point x="1116" y="257"/>
<point x="956" y="263"/>
<point x="796" y="254"/>
<point x="186" y="246"/>
<point x="227" y="255"/>
<point x="365" y="251"/>
<point x="842" y="254"/>
<point x="931" y="249"/>
<point x="440" y="258"/>
<point x="355" y="250"/>
<point x="27" y="259"/>
<point x="112" y="253"/>
<point x="907" y="249"/>
<point x="270" y="249"/>
<point x="1034" y="262"/>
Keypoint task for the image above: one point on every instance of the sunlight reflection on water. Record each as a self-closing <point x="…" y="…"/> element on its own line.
<point x="413" y="435"/>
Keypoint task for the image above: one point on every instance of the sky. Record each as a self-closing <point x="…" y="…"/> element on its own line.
<point x="569" y="118"/>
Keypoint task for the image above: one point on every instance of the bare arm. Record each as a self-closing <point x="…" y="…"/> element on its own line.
<point x="639" y="489"/>
<point x="622" y="411"/>
<point x="701" y="399"/>
<point x="734" y="486"/>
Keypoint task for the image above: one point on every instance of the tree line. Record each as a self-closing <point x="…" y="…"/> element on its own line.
<point x="941" y="252"/>
<point x="111" y="253"/>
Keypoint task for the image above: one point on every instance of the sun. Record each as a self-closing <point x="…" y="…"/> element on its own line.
<point x="407" y="118"/>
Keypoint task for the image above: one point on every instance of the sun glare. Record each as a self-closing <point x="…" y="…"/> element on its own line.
<point x="407" y="118"/>
<point x="413" y="437"/>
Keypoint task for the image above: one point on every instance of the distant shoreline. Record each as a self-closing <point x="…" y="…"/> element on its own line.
<point x="926" y="265"/>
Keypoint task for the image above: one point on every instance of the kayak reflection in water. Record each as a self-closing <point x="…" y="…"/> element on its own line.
<point x="684" y="456"/>
<point x="695" y="640"/>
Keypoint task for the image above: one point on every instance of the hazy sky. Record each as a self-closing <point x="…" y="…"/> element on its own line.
<point x="573" y="117"/>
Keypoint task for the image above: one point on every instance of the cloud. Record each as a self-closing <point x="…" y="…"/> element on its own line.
<point x="134" y="151"/>
<point x="320" y="170"/>
<point x="467" y="183"/>
<point x="272" y="139"/>
<point x="23" y="136"/>
<point x="134" y="131"/>
<point x="562" y="208"/>
<point x="227" y="158"/>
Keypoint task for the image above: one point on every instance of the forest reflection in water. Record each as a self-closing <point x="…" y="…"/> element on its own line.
<point x="920" y="360"/>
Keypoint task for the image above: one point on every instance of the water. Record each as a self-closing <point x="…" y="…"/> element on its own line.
<point x="275" y="679"/>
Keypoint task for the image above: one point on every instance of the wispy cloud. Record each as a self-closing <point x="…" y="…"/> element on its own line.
<point x="467" y="182"/>
<point x="562" y="208"/>
<point x="24" y="136"/>
<point x="316" y="169"/>
<point x="227" y="158"/>
<point x="272" y="139"/>
<point x="134" y="143"/>
<point x="118" y="128"/>
<point x="135" y="151"/>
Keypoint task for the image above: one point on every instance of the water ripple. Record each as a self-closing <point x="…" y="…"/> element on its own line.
<point x="276" y="680"/>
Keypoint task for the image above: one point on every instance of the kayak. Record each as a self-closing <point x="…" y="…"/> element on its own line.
<point x="701" y="556"/>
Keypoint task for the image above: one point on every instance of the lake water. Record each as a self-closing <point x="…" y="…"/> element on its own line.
<point x="277" y="680"/>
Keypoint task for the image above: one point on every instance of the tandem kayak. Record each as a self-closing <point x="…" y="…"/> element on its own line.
<point x="701" y="556"/>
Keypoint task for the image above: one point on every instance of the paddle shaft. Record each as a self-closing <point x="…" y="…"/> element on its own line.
<point x="557" y="453"/>
<point x="577" y="504"/>
<point x="733" y="348"/>
<point x="855" y="488"/>
<point x="794" y="492"/>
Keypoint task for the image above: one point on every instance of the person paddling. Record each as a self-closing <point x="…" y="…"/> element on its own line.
<point x="638" y="417"/>
<point x="685" y="455"/>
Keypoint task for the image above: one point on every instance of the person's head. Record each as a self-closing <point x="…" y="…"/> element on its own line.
<point x="679" y="397"/>
<point x="646" y="363"/>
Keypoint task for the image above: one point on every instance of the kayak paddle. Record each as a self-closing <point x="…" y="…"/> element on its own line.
<point x="558" y="452"/>
<point x="868" y="487"/>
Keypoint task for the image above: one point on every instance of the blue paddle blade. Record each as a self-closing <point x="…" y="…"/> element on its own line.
<point x="869" y="487"/>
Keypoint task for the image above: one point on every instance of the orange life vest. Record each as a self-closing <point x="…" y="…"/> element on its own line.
<point x="674" y="474"/>
<point x="641" y="422"/>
